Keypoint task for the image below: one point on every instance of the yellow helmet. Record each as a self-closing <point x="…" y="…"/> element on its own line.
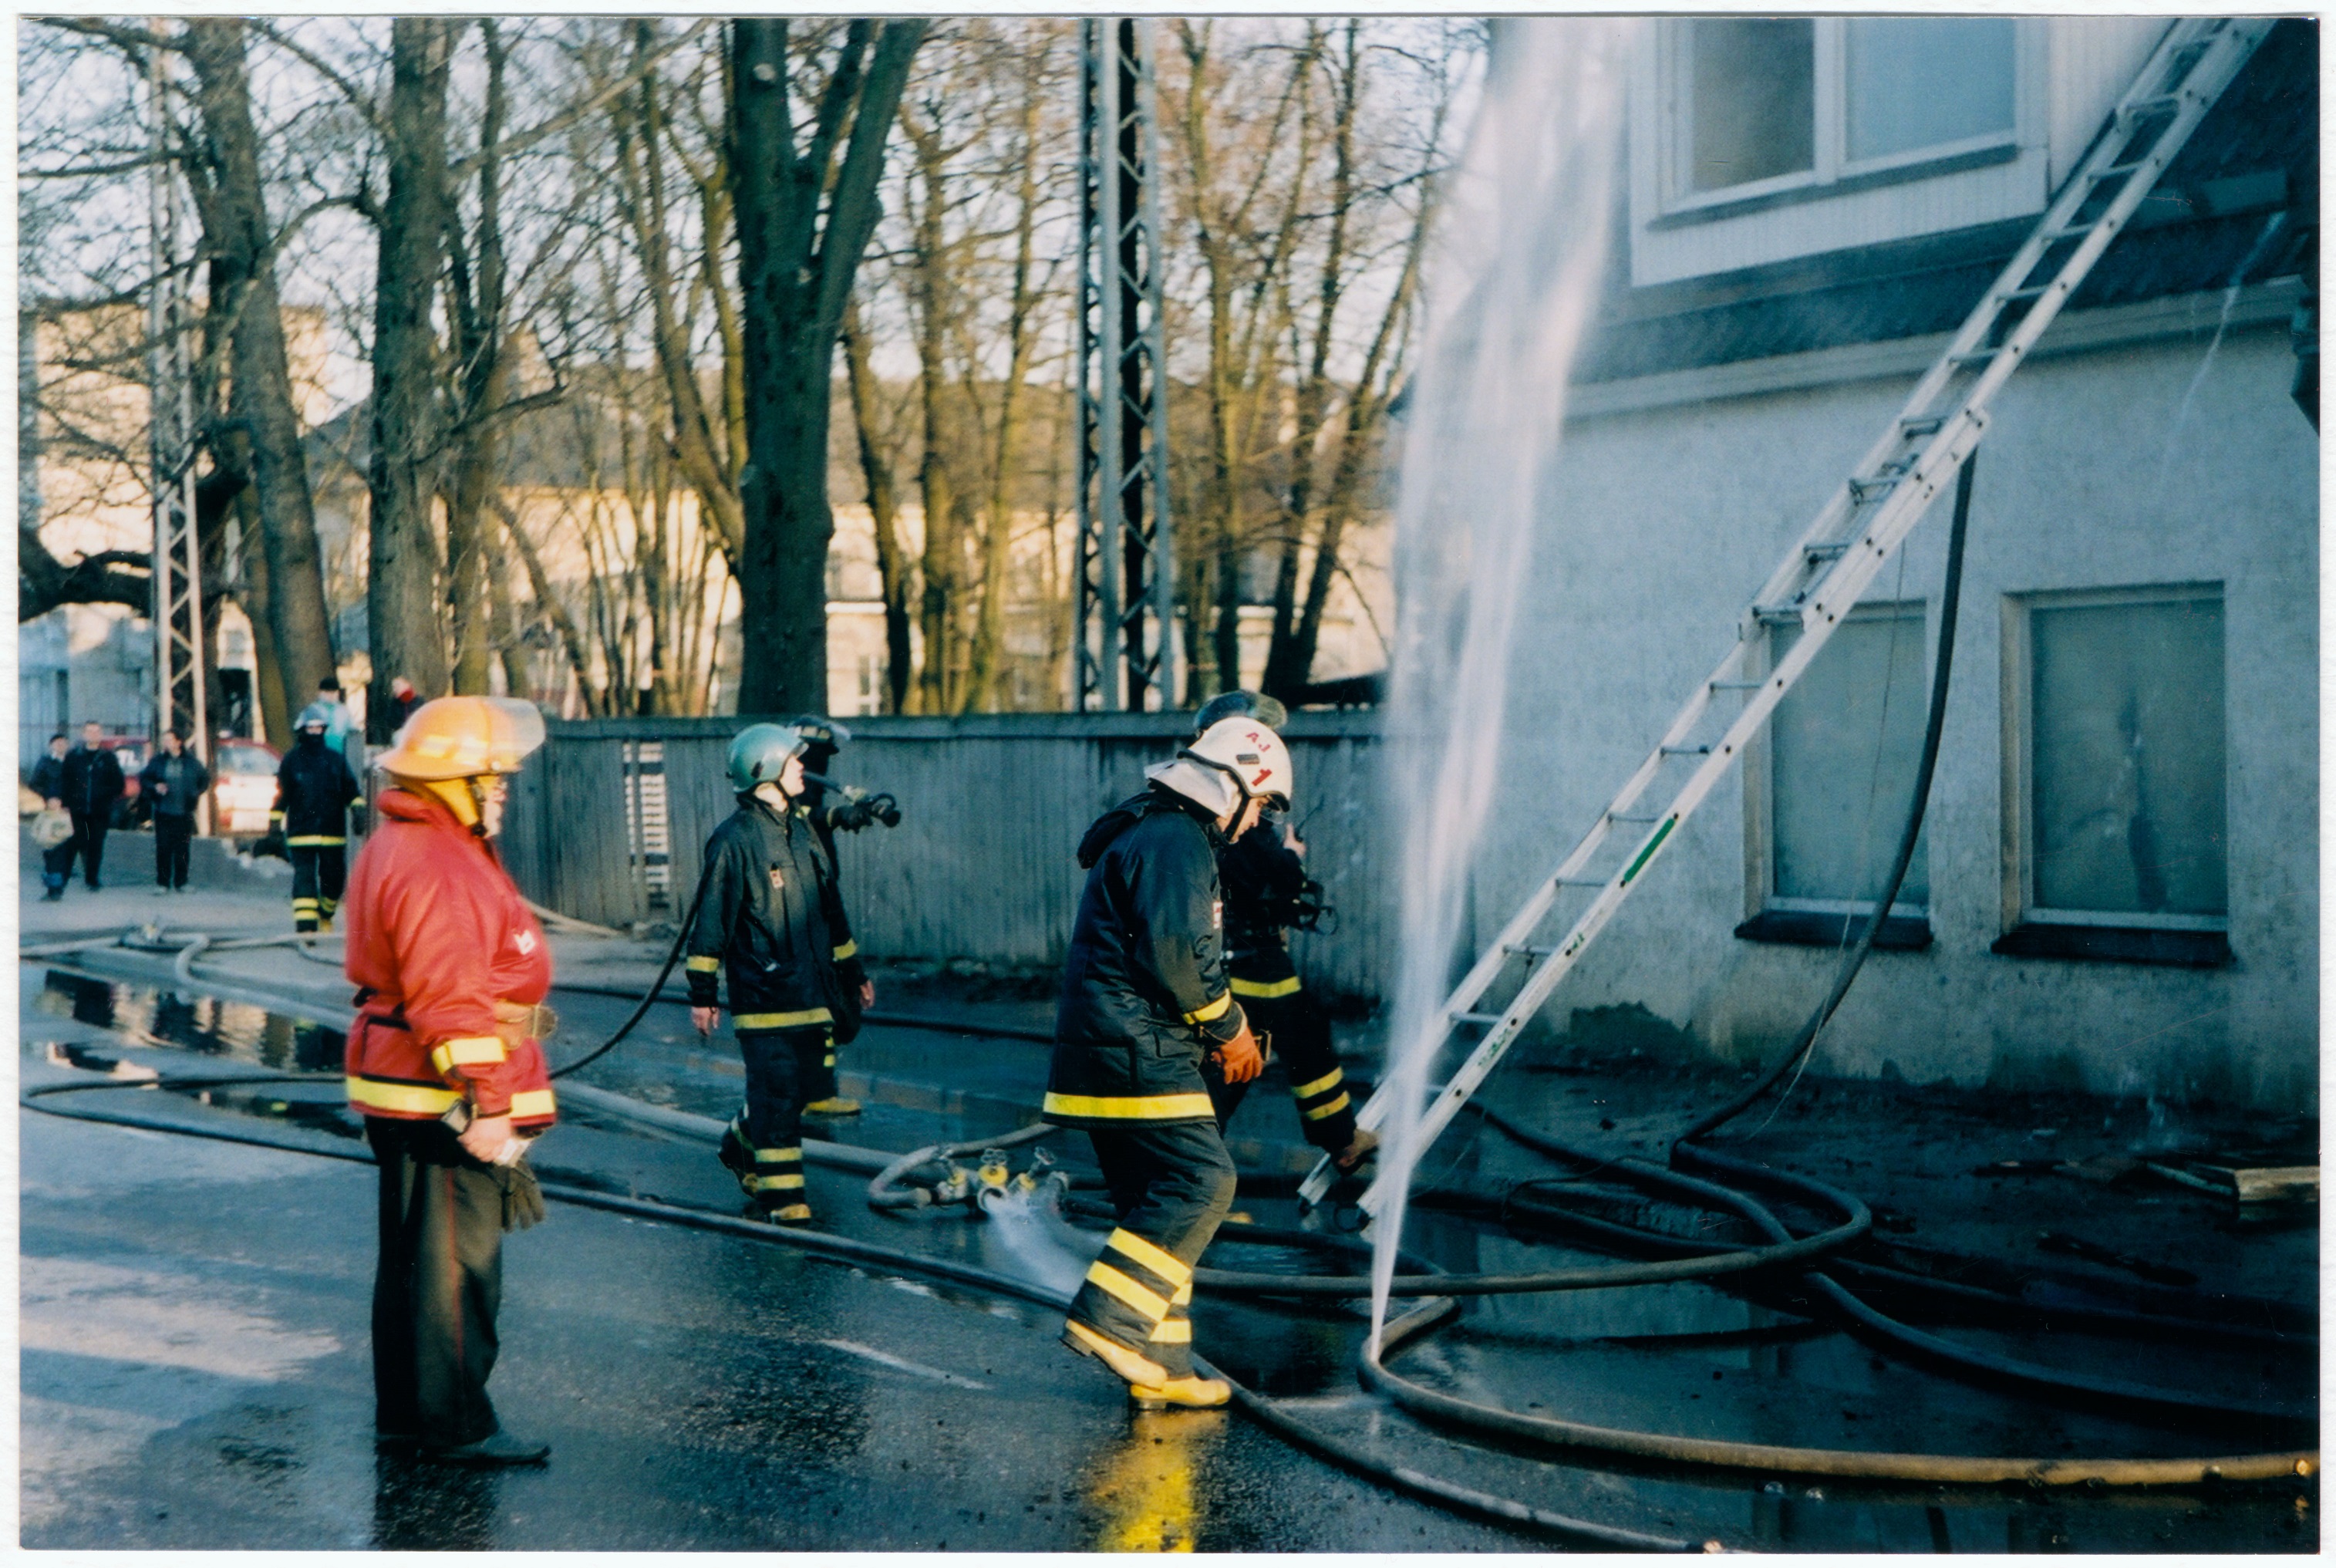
<point x="453" y="737"/>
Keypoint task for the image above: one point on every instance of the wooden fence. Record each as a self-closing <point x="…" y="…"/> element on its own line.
<point x="608" y="823"/>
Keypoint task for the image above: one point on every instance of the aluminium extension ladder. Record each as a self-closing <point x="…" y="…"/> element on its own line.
<point x="1839" y="554"/>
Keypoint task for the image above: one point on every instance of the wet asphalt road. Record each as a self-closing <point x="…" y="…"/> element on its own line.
<point x="195" y="1371"/>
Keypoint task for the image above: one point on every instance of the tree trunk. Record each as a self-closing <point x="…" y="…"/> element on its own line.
<point x="796" y="272"/>
<point x="884" y="509"/>
<point x="482" y="379"/>
<point x="260" y="396"/>
<point x="401" y="591"/>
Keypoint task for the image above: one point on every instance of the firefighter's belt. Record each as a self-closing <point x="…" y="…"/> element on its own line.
<point x="517" y="1021"/>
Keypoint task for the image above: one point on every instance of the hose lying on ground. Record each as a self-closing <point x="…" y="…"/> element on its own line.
<point x="1351" y="1456"/>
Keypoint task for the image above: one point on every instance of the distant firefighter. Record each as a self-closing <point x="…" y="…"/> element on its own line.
<point x="445" y="1063"/>
<point x="313" y="793"/>
<point x="1267" y="893"/>
<point x="767" y="921"/>
<point x="1145" y="1001"/>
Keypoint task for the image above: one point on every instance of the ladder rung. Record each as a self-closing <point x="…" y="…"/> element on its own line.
<point x="1528" y="950"/>
<point x="2120" y="170"/>
<point x="2038" y="292"/>
<point x="1485" y="1018"/>
<point x="2054" y="236"/>
<point x="1926" y="424"/>
<point x="1775" y="615"/>
<point x="1832" y="551"/>
<point x="1976" y="357"/>
<point x="1684" y="751"/>
<point x="1582" y="882"/>
<point x="2143" y="108"/>
<point x="1716" y="685"/>
<point x="1880" y="484"/>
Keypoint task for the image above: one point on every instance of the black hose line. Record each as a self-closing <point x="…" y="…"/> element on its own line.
<point x="1949" y="602"/>
<point x="1929" y="1348"/>
<point x="1351" y="1456"/>
<point x="656" y="987"/>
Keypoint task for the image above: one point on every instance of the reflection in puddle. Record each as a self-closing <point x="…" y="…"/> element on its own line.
<point x="1146" y="1488"/>
<point x="235" y="1031"/>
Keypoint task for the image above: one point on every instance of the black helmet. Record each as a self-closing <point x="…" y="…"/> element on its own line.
<point x="1266" y="710"/>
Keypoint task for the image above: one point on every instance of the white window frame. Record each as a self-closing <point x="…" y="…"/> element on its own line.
<point x="1841" y="203"/>
<point x="2019" y="907"/>
<point x="1760" y="789"/>
<point x="1831" y="100"/>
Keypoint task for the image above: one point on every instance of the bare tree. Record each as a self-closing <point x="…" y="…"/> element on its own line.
<point x="804" y="214"/>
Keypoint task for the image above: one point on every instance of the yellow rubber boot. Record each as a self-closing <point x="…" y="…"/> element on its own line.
<point x="1134" y="1368"/>
<point x="1186" y="1392"/>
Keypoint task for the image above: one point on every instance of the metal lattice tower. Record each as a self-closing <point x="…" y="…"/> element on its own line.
<point x="1127" y="569"/>
<point x="170" y="379"/>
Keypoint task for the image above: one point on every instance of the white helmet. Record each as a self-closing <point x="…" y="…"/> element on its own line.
<point x="1248" y="752"/>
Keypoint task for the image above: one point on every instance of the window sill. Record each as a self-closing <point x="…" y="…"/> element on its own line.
<point x="1812" y="929"/>
<point x="1850" y="185"/>
<point x="2116" y="945"/>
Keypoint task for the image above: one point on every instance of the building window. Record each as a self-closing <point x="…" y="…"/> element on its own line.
<point x="1763" y="105"/>
<point x="2117" y="839"/>
<point x="1831" y="795"/>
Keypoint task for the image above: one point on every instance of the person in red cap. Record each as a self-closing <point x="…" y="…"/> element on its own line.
<point x="446" y="1068"/>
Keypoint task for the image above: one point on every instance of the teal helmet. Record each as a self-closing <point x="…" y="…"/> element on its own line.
<point x="1266" y="710"/>
<point x="315" y="716"/>
<point x="760" y="752"/>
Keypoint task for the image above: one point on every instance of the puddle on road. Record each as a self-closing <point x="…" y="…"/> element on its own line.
<point x="234" y="1031"/>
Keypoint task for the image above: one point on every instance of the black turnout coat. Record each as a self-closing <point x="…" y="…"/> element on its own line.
<point x="769" y="919"/>
<point x="1145" y="994"/>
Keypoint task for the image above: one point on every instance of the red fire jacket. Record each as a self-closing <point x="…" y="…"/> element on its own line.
<point x="437" y="935"/>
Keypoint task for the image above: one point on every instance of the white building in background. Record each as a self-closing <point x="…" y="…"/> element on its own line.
<point x="2118" y="888"/>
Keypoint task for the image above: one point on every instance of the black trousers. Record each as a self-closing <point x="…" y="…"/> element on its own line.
<point x="438" y="1285"/>
<point x="1300" y="1037"/>
<point x="174" y="832"/>
<point x="1173" y="1184"/>
<point x="56" y="866"/>
<point x="88" y="842"/>
<point x="320" y="871"/>
<point x="782" y="1075"/>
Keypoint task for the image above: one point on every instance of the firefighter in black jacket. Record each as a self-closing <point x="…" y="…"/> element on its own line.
<point x="93" y="782"/>
<point x="1146" y="998"/>
<point x="767" y="919"/>
<point x="1266" y="891"/>
<point x="313" y="792"/>
<point x="821" y="736"/>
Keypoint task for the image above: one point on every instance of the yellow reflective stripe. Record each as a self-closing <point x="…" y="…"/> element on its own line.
<point x="773" y="1183"/>
<point x="471" y="1051"/>
<point x="703" y="965"/>
<point x="1212" y="1011"/>
<point x="1164" y="1265"/>
<point x="1266" y="987"/>
<point x="533" y="1103"/>
<point x="1129" y="1107"/>
<point x="1332" y="1110"/>
<point x="848" y="950"/>
<point x="1112" y="1280"/>
<point x="781" y="1021"/>
<point x="1172" y="1331"/>
<point x="415" y="1097"/>
<point x="1184" y="1296"/>
<point x="312" y="841"/>
<point x="1327" y="1081"/>
<point x="794" y="1212"/>
<point x="778" y="1156"/>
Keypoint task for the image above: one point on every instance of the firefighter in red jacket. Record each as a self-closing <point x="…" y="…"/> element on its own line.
<point x="446" y="1066"/>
